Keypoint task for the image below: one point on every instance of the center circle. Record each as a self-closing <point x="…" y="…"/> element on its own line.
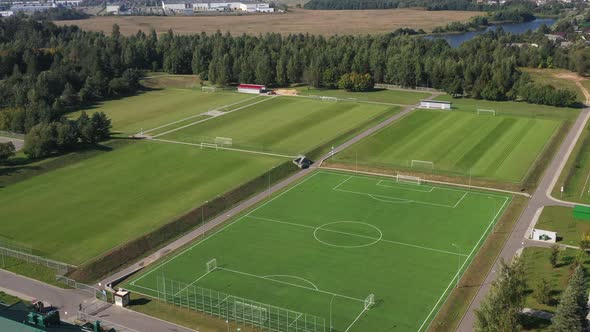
<point x="325" y="227"/>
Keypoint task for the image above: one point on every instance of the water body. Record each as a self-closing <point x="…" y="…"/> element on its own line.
<point x="456" y="39"/>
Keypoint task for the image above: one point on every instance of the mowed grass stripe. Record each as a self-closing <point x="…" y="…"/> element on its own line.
<point x="511" y="141"/>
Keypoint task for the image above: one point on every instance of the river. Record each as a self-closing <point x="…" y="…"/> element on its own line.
<point x="456" y="39"/>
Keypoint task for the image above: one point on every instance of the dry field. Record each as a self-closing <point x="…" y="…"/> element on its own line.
<point x="326" y="22"/>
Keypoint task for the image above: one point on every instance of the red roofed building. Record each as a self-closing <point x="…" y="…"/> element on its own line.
<point x="251" y="88"/>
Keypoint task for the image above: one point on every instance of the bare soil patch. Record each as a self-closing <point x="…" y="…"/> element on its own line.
<point x="324" y="22"/>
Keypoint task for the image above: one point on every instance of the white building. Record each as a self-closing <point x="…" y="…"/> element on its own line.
<point x="251" y="88"/>
<point x="205" y="6"/>
<point x="113" y="9"/>
<point x="545" y="236"/>
<point x="6" y="13"/>
<point x="443" y="105"/>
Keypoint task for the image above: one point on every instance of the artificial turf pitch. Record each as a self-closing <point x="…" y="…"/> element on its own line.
<point x="326" y="243"/>
<point x="497" y="147"/>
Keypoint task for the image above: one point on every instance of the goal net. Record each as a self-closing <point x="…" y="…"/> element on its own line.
<point x="250" y="312"/>
<point x="224" y="141"/>
<point x="211" y="265"/>
<point x="209" y="145"/>
<point x="486" y="112"/>
<point x="326" y="98"/>
<point x="408" y="179"/>
<point x="208" y="89"/>
<point x="422" y="164"/>
<point x="369" y="301"/>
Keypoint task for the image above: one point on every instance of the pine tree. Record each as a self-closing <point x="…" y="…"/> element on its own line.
<point x="554" y="257"/>
<point x="543" y="291"/>
<point x="567" y="315"/>
<point x="578" y="284"/>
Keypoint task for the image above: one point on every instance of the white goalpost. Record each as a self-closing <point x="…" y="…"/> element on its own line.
<point x="486" y="112"/>
<point x="326" y="98"/>
<point x="369" y="301"/>
<point x="223" y="141"/>
<point x="211" y="265"/>
<point x="209" y="145"/>
<point x="250" y="312"/>
<point x="422" y="164"/>
<point x="408" y="179"/>
<point x="208" y="89"/>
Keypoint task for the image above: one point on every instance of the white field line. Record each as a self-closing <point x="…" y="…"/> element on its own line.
<point x="195" y="281"/>
<point x="391" y="200"/>
<point x="197" y="115"/>
<point x="225" y="299"/>
<point x="214" y="117"/>
<point x="380" y="184"/>
<point x="341" y="183"/>
<point x="372" y="175"/>
<point x="217" y="147"/>
<point x="585" y="184"/>
<point x="459" y="201"/>
<point x="296" y="319"/>
<point x="290" y="284"/>
<point x="358" y="235"/>
<point x="459" y="274"/>
<point x="295" y="277"/>
<point x="355" y="320"/>
<point x="224" y="227"/>
<point x="347" y="100"/>
<point x="375" y="196"/>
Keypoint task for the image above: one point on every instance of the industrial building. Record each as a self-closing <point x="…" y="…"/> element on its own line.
<point x="205" y="6"/>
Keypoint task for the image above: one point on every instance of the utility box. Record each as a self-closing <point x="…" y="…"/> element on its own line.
<point x="122" y="297"/>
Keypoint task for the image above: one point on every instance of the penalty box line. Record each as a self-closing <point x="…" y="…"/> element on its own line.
<point x="358" y="235"/>
<point x="198" y="115"/>
<point x="223" y="228"/>
<point x="459" y="274"/>
<point x="213" y="117"/>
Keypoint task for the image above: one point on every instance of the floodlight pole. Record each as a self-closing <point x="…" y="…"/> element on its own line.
<point x="332" y="299"/>
<point x="458" y="264"/>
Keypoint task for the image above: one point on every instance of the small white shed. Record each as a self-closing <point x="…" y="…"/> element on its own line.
<point x="443" y="105"/>
<point x="545" y="236"/>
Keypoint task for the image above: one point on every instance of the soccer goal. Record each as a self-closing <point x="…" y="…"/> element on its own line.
<point x="223" y="141"/>
<point x="209" y="145"/>
<point x="422" y="164"/>
<point x="369" y="301"/>
<point x="326" y="98"/>
<point x="408" y="179"/>
<point x="208" y="89"/>
<point x="486" y="112"/>
<point x="211" y="265"/>
<point x="250" y="313"/>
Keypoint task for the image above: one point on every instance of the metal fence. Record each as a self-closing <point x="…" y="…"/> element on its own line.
<point x="25" y="254"/>
<point x="232" y="308"/>
<point x="97" y="293"/>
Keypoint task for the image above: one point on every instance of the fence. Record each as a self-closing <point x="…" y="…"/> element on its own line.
<point x="86" y="318"/>
<point x="26" y="255"/>
<point x="97" y="293"/>
<point x="395" y="87"/>
<point x="232" y="308"/>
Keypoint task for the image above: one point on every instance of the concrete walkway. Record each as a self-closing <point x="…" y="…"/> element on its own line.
<point x="18" y="143"/>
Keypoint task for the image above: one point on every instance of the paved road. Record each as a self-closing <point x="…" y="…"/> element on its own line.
<point x="541" y="197"/>
<point x="18" y="143"/>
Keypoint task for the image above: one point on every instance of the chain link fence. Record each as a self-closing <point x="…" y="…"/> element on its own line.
<point x="232" y="308"/>
<point x="97" y="293"/>
<point x="25" y="254"/>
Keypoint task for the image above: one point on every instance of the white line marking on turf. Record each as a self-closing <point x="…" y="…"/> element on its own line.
<point x="459" y="201"/>
<point x="198" y="115"/>
<point x="195" y="281"/>
<point x="358" y="235"/>
<point x="296" y="318"/>
<point x="356" y="319"/>
<point x="290" y="276"/>
<point x="194" y="123"/>
<point x="462" y="266"/>
<point x="374" y="196"/>
<point x="222" y="148"/>
<point x="402" y="188"/>
<point x="341" y="183"/>
<point x="290" y="284"/>
<point x="391" y="200"/>
<point x="224" y="227"/>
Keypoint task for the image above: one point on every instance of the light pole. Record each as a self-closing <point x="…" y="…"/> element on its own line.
<point x="332" y="299"/>
<point x="227" y="324"/>
<point x="458" y="263"/>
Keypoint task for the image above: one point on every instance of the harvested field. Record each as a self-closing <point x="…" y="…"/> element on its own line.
<point x="325" y="22"/>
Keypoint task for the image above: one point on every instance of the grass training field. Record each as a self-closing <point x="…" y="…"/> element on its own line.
<point x="495" y="147"/>
<point x="286" y="125"/>
<point x="322" y="246"/>
<point x="377" y="95"/>
<point x="83" y="209"/>
<point x="575" y="178"/>
<point x="324" y="22"/>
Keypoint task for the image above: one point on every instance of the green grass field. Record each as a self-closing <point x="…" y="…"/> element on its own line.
<point x="495" y="147"/>
<point x="80" y="210"/>
<point x="151" y="109"/>
<point x="575" y="178"/>
<point x="323" y="245"/>
<point x="287" y="125"/>
<point x="377" y="95"/>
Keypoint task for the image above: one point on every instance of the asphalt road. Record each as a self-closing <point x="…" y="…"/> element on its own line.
<point x="540" y="198"/>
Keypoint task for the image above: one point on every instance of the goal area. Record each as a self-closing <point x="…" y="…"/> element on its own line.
<point x="209" y="145"/>
<point x="408" y="179"/>
<point x="208" y="89"/>
<point x="369" y="301"/>
<point x="486" y="112"/>
<point x="422" y="164"/>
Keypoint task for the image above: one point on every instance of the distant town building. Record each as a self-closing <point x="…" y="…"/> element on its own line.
<point x="113" y="9"/>
<point x="206" y="6"/>
<point x="35" y="6"/>
<point x="6" y="13"/>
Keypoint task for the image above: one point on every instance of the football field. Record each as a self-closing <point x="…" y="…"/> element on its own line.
<point x="338" y="249"/>
<point x="461" y="143"/>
